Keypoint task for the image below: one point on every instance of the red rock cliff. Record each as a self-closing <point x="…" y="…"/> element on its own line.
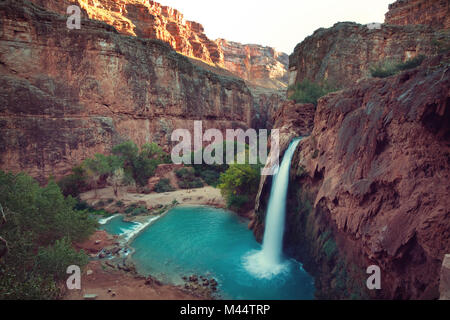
<point x="68" y="94"/>
<point x="370" y="187"/>
<point x="259" y="65"/>
<point x="344" y="53"/>
<point x="435" y="13"/>
<point x="149" y="19"/>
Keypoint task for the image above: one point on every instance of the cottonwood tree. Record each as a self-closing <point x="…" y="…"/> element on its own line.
<point x="116" y="180"/>
<point x="100" y="166"/>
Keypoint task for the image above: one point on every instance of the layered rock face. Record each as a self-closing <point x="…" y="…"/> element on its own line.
<point x="259" y="65"/>
<point x="370" y="187"/>
<point x="344" y="53"/>
<point x="435" y="13"/>
<point x="68" y="94"/>
<point x="149" y="19"/>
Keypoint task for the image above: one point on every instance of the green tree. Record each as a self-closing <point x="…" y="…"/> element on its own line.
<point x="100" y="166"/>
<point x="187" y="179"/>
<point x="52" y="261"/>
<point x="239" y="185"/>
<point x="35" y="221"/>
<point x="75" y="183"/>
<point x="141" y="164"/>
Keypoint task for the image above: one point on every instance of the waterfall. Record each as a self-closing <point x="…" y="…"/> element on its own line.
<point x="276" y="210"/>
<point x="268" y="261"/>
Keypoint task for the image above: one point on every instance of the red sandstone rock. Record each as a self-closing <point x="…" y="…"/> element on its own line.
<point x="435" y="13"/>
<point x="149" y="19"/>
<point x="376" y="168"/>
<point x="69" y="94"/>
<point x="344" y="53"/>
<point x="259" y="65"/>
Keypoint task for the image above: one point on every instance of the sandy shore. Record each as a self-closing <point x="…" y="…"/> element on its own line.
<point x="117" y="285"/>
<point x="208" y="196"/>
<point x="102" y="279"/>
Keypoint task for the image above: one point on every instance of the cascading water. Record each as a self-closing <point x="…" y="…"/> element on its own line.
<point x="269" y="262"/>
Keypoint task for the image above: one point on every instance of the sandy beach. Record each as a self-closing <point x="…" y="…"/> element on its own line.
<point x="203" y="196"/>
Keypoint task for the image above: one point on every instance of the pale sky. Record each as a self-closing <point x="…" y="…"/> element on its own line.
<point x="276" y="23"/>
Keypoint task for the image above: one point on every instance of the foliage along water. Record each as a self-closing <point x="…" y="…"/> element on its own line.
<point x="214" y="243"/>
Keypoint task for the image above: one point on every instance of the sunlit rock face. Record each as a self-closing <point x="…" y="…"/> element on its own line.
<point x="148" y="19"/>
<point x="344" y="53"/>
<point x="68" y="94"/>
<point x="257" y="64"/>
<point x="435" y="13"/>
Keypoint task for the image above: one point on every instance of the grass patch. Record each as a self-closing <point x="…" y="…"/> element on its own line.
<point x="389" y="68"/>
<point x="310" y="92"/>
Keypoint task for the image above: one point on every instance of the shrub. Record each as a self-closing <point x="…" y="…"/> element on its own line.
<point x="411" y="63"/>
<point x="119" y="204"/>
<point x="130" y="208"/>
<point x="309" y="92"/>
<point x="384" y="69"/>
<point x="187" y="179"/>
<point x="138" y="211"/>
<point x="237" y="201"/>
<point x="211" y="177"/>
<point x="164" y="186"/>
<point x="389" y="68"/>
<point x="239" y="185"/>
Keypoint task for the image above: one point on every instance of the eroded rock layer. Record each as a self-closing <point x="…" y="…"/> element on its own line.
<point x="435" y="13"/>
<point x="370" y="187"/>
<point x="344" y="53"/>
<point x="257" y="64"/>
<point x="68" y="94"/>
<point x="149" y="19"/>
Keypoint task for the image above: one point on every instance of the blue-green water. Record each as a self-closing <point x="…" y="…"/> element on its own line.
<point x="211" y="242"/>
<point x="116" y="225"/>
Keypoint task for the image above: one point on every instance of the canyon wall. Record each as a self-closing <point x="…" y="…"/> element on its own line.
<point x="257" y="64"/>
<point x="68" y="94"/>
<point x="435" y="13"/>
<point x="148" y="19"/>
<point x="344" y="53"/>
<point x="370" y="186"/>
